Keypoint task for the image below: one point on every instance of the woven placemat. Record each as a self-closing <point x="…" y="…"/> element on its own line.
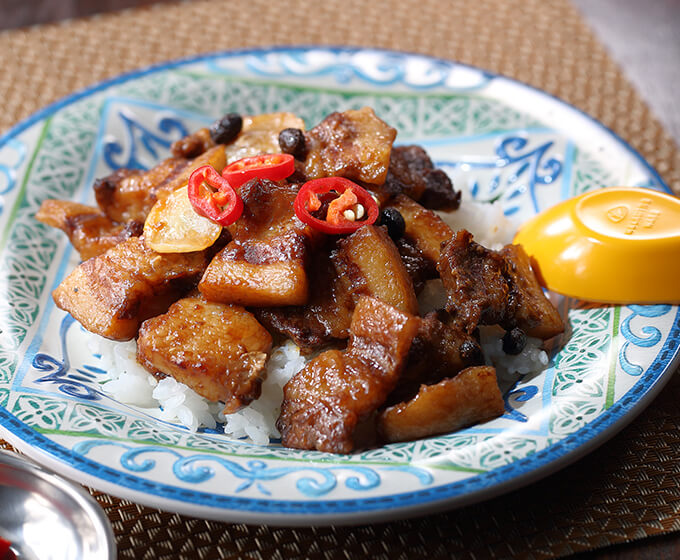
<point x="627" y="490"/>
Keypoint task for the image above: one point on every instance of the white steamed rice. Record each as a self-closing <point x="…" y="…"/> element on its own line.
<point x="129" y="383"/>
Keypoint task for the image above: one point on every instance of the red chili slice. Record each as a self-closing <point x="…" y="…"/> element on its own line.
<point x="274" y="167"/>
<point x="5" y="552"/>
<point x="307" y="201"/>
<point x="223" y="206"/>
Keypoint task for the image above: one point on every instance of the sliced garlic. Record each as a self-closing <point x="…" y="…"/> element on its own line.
<point x="173" y="226"/>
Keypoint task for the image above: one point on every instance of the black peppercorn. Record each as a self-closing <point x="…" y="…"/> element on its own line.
<point x="392" y="219"/>
<point x="227" y="128"/>
<point x="292" y="141"/>
<point x="514" y="341"/>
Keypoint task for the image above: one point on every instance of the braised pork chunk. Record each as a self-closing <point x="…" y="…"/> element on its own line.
<point x="324" y="403"/>
<point x="486" y="287"/>
<point x="129" y="194"/>
<point x="412" y="173"/>
<point x="328" y="313"/>
<point x="534" y="313"/>
<point x="369" y="264"/>
<point x="424" y="229"/>
<point x="353" y="144"/>
<point x="110" y="295"/>
<point x="472" y="396"/>
<point x="264" y="264"/>
<point x="91" y="232"/>
<point x="217" y="350"/>
<point x="440" y="349"/>
<point x="475" y="282"/>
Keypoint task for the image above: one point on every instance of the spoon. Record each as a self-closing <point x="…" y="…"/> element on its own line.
<point x="613" y="245"/>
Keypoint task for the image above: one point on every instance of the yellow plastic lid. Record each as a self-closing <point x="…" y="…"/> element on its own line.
<point x="614" y="245"/>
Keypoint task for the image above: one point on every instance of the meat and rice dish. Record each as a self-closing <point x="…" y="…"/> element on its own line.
<point x="256" y="231"/>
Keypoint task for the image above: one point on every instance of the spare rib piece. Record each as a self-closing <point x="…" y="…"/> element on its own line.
<point x="217" y="350"/>
<point x="534" y="313"/>
<point x="412" y="172"/>
<point x="490" y="287"/>
<point x="353" y="144"/>
<point x="129" y="194"/>
<point x="260" y="135"/>
<point x="471" y="397"/>
<point x="369" y="263"/>
<point x="324" y="402"/>
<point x="90" y="231"/>
<point x="110" y="295"/>
<point x="264" y="264"/>
<point x="424" y="229"/>
<point x="328" y="313"/>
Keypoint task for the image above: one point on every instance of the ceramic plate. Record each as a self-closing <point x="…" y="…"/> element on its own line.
<point x="497" y="138"/>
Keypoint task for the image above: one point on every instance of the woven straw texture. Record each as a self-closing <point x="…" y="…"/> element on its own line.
<point x="627" y="490"/>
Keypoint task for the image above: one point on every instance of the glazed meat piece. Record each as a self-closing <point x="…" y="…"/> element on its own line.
<point x="129" y="194"/>
<point x="90" y="231"/>
<point x="327" y="315"/>
<point x="475" y="281"/>
<point x="494" y="287"/>
<point x="471" y="397"/>
<point x="412" y="172"/>
<point x="217" y="350"/>
<point x="419" y="268"/>
<point x="439" y="350"/>
<point x="260" y="135"/>
<point x="353" y="144"/>
<point x="324" y="403"/>
<point x="424" y="229"/>
<point x="369" y="264"/>
<point x="110" y="295"/>
<point x="193" y="145"/>
<point x="264" y="264"/>
<point x="534" y="313"/>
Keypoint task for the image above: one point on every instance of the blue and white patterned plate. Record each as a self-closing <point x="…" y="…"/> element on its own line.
<point x="501" y="139"/>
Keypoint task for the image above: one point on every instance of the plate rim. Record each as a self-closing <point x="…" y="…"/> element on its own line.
<point x="530" y="469"/>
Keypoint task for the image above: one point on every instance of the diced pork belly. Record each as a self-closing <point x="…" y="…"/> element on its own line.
<point x="324" y="403"/>
<point x="469" y="398"/>
<point x="424" y="229"/>
<point x="264" y="264"/>
<point x="260" y="135"/>
<point x="328" y="313"/>
<point x="129" y="194"/>
<point x="110" y="295"/>
<point x="89" y="230"/>
<point x="412" y="172"/>
<point x="354" y="144"/>
<point x="217" y="350"/>
<point x="494" y="287"/>
<point x="369" y="263"/>
<point x="534" y="313"/>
